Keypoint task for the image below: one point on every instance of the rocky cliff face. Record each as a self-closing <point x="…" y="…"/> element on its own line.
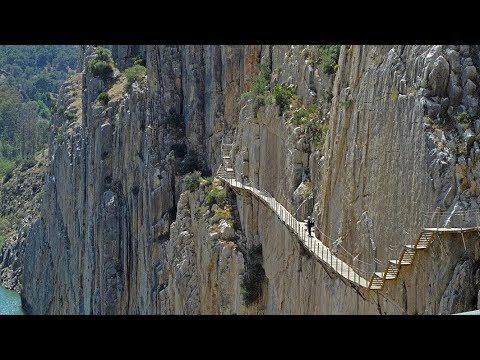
<point x="120" y="232"/>
<point x="116" y="175"/>
<point x="20" y="199"/>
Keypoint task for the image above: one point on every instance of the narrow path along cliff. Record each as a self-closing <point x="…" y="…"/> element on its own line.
<point x="378" y="144"/>
<point x="371" y="280"/>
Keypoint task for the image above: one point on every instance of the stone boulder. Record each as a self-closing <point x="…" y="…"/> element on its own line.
<point x="438" y="77"/>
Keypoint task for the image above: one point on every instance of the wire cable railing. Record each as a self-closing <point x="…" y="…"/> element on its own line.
<point x="353" y="267"/>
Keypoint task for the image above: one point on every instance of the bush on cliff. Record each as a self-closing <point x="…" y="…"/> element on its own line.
<point x="192" y="181"/>
<point x="133" y="74"/>
<point x="308" y="117"/>
<point x="103" y="98"/>
<point x="216" y="196"/>
<point x="6" y="168"/>
<point x="101" y="65"/>
<point x="260" y="90"/>
<point x="138" y="60"/>
<point x="283" y="95"/>
<point x="327" y="58"/>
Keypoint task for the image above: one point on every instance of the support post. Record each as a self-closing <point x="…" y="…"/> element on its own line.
<point x="348" y="272"/>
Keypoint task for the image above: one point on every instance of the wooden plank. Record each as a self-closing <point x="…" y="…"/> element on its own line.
<point x="322" y="252"/>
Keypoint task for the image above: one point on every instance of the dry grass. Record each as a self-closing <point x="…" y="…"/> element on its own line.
<point x="118" y="89"/>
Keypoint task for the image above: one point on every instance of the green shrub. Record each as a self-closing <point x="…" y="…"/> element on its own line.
<point x="103" y="54"/>
<point x="319" y="134"/>
<point x="103" y="98"/>
<point x="327" y="58"/>
<point x="207" y="181"/>
<point x="192" y="181"/>
<point x="101" y="69"/>
<point x="303" y="116"/>
<point x="225" y="213"/>
<point x="101" y="65"/>
<point x="216" y="196"/>
<point x="464" y="119"/>
<point x="69" y="116"/>
<point x="261" y="86"/>
<point x="347" y="103"/>
<point x="138" y="60"/>
<point x="283" y="95"/>
<point x="133" y="74"/>
<point x="252" y="281"/>
<point x="6" y="168"/>
<point x="309" y="119"/>
<point x="394" y="95"/>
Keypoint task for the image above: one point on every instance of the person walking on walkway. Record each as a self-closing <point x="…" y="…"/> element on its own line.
<point x="310" y="223"/>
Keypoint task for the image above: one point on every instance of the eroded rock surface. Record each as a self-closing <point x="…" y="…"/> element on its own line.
<point x="119" y="233"/>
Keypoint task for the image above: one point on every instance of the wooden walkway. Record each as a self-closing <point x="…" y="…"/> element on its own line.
<point x="357" y="278"/>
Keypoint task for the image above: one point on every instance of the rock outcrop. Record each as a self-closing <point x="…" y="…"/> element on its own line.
<point x="461" y="293"/>
<point x="367" y="145"/>
<point x="20" y="198"/>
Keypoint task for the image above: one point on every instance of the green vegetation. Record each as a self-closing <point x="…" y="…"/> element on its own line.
<point x="327" y="58"/>
<point x="225" y="214"/>
<point x="6" y="168"/>
<point x="252" y="281"/>
<point x="103" y="98"/>
<point x="283" y="95"/>
<point x="30" y="78"/>
<point x="217" y="195"/>
<point x="308" y="189"/>
<point x="23" y="131"/>
<point x="394" y="95"/>
<point x="192" y="181"/>
<point x="134" y="73"/>
<point x="464" y="119"/>
<point x="260" y="90"/>
<point x="207" y="181"/>
<point x="138" y="60"/>
<point x="347" y="104"/>
<point x="38" y="70"/>
<point x="309" y="119"/>
<point x="101" y="65"/>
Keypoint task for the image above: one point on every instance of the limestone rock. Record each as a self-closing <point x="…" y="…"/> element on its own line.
<point x="460" y="294"/>
<point x="438" y="77"/>
<point x="119" y="233"/>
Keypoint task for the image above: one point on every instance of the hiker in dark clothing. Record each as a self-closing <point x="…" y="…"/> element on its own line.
<point x="310" y="223"/>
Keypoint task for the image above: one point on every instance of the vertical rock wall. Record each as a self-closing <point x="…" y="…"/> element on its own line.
<point x="105" y="242"/>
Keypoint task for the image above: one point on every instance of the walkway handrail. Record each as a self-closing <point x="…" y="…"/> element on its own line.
<point x="351" y="267"/>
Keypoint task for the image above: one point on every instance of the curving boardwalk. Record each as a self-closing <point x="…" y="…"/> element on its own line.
<point x="347" y="270"/>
